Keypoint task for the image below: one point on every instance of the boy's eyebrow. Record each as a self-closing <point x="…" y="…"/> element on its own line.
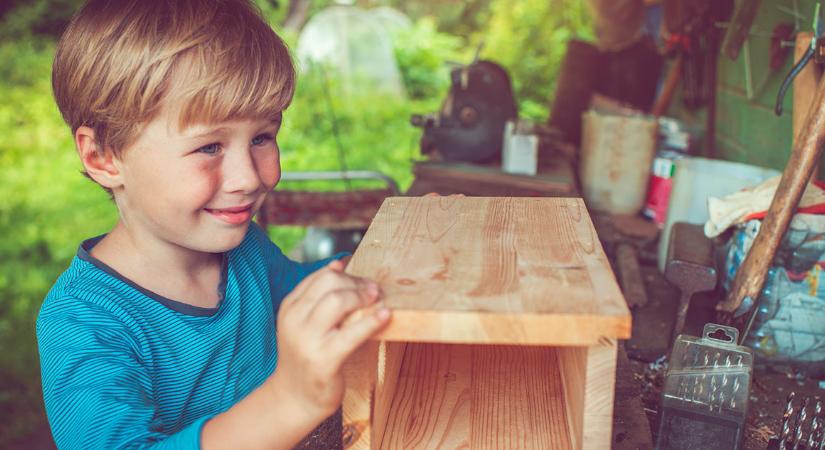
<point x="196" y="133"/>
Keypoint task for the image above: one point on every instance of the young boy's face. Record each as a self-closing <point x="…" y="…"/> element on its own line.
<point x="197" y="188"/>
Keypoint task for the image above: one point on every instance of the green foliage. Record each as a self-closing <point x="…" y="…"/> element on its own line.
<point x="459" y="18"/>
<point x="38" y="17"/>
<point x="47" y="207"/>
<point x="528" y="37"/>
<point x="421" y="53"/>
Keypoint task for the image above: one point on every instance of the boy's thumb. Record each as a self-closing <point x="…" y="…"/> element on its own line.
<point x="336" y="265"/>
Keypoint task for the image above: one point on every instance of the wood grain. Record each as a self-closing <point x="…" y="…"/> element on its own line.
<point x="477" y="397"/>
<point x="390" y="359"/>
<point x="588" y="375"/>
<point x="492" y="270"/>
<point x="360" y="372"/>
<point x="370" y="375"/>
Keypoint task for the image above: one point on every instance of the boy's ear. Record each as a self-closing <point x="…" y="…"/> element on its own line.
<point x="100" y="163"/>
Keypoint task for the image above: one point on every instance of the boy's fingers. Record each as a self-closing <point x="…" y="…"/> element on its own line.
<point x="332" y="281"/>
<point x="337" y="265"/>
<point x="298" y="292"/>
<point x="355" y="332"/>
<point x="315" y="281"/>
<point x="334" y="308"/>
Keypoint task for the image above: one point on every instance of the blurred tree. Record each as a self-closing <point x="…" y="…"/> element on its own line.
<point x="296" y="14"/>
<point x="461" y="18"/>
<point x="421" y="53"/>
<point x="20" y="18"/>
<point x="529" y="38"/>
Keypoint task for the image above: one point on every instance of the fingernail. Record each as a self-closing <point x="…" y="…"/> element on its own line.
<point x="383" y="313"/>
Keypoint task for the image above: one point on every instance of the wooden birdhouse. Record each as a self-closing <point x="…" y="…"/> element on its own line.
<point x="505" y="320"/>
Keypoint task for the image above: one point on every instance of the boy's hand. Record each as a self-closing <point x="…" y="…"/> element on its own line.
<point x="317" y="332"/>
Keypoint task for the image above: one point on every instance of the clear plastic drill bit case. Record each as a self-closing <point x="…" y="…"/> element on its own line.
<point x="705" y="396"/>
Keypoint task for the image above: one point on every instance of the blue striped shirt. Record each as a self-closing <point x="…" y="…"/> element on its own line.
<point x="123" y="367"/>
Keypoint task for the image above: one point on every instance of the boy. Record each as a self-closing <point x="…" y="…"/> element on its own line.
<point x="162" y="333"/>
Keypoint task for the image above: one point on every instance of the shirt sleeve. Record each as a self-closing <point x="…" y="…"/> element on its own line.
<point x="97" y="392"/>
<point x="285" y="273"/>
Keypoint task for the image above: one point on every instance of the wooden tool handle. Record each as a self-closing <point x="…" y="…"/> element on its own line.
<point x="668" y="88"/>
<point x="804" y="88"/>
<point x="804" y="157"/>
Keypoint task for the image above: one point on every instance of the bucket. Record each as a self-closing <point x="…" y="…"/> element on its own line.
<point x="695" y="180"/>
<point x="616" y="155"/>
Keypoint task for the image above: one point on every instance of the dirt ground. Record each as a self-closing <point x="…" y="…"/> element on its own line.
<point x="769" y="391"/>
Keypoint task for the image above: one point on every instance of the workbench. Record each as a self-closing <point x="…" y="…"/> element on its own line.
<point x="554" y="178"/>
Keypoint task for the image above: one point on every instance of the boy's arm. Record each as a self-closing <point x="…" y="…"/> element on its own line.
<point x="285" y="273"/>
<point x="97" y="393"/>
<point x="267" y="418"/>
<point x="316" y="333"/>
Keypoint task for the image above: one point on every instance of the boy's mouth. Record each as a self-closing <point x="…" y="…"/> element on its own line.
<point x="235" y="215"/>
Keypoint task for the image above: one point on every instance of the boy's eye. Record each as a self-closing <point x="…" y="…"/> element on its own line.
<point x="209" y="149"/>
<point x="262" y="139"/>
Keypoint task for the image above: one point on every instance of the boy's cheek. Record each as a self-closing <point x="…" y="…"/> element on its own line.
<point x="270" y="172"/>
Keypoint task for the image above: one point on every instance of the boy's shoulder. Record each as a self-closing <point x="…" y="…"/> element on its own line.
<point x="87" y="282"/>
<point x="83" y="286"/>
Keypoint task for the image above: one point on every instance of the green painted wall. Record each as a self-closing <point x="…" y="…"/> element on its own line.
<point x="747" y="130"/>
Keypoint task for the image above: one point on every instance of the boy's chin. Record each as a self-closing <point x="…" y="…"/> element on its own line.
<point x="222" y="241"/>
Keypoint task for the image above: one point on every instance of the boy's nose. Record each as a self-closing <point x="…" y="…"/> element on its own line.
<point x="239" y="172"/>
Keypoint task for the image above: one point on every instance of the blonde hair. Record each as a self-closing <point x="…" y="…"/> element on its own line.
<point x="119" y="61"/>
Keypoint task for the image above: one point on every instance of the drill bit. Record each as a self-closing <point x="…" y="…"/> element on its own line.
<point x="725" y="381"/>
<point x="818" y="442"/>
<point x="812" y="436"/>
<point x="816" y="425"/>
<point x="786" y="422"/>
<point x="736" y="385"/>
<point x="714" y="389"/>
<point x="799" y="424"/>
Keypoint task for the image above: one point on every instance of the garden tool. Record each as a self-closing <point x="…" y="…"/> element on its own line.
<point x="807" y="149"/>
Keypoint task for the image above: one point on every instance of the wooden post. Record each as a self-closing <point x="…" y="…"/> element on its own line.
<point x="668" y="87"/>
<point x="360" y="376"/>
<point x="586" y="374"/>
<point x="804" y="87"/>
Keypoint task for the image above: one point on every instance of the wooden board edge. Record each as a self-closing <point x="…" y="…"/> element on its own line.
<point x="460" y="327"/>
<point x="599" y="393"/>
<point x="390" y="359"/>
<point x="572" y="367"/>
<point x="588" y="378"/>
<point x="360" y="372"/>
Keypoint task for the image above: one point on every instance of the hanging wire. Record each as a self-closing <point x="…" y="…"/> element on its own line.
<point x="342" y="158"/>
